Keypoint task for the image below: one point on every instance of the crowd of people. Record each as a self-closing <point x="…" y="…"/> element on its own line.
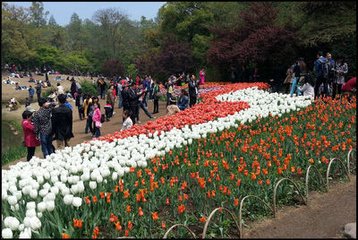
<point x="54" y="119"/>
<point x="329" y="78"/>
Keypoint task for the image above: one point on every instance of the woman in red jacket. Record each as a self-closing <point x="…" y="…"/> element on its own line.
<point x="30" y="140"/>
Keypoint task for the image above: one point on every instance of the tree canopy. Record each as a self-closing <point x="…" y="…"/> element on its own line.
<point x="185" y="36"/>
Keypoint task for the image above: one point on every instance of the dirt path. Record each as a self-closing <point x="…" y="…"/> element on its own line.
<point x="324" y="217"/>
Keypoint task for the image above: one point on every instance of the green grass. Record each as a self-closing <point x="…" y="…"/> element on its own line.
<point x="11" y="144"/>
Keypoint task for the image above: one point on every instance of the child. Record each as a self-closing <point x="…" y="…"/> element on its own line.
<point x="108" y="110"/>
<point x="128" y="123"/>
<point x="30" y="140"/>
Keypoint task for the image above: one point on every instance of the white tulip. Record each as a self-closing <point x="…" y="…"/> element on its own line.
<point x="35" y="223"/>
<point x="12" y="200"/>
<point x="21" y="227"/>
<point x="6" y="233"/>
<point x="33" y="193"/>
<point x="50" y="205"/>
<point x="26" y="234"/>
<point x="93" y="185"/>
<point x="41" y="206"/>
<point x="77" y="201"/>
<point x="31" y="213"/>
<point x="12" y="223"/>
<point x="68" y="199"/>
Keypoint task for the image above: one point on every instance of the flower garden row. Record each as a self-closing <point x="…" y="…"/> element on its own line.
<point x="139" y="182"/>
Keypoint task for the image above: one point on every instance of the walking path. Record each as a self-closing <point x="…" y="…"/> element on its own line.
<point x="324" y="217"/>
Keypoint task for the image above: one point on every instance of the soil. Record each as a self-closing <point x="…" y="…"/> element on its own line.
<point x="323" y="217"/>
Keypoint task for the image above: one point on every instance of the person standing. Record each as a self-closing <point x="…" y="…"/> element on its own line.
<point x="90" y="111"/>
<point x="133" y="98"/>
<point x="79" y="104"/>
<point x="73" y="88"/>
<point x="86" y="98"/>
<point x="341" y="70"/>
<point x="321" y="72"/>
<point x="62" y="123"/>
<point x="31" y="93"/>
<point x="156" y="94"/>
<point x="119" y="94"/>
<point x="170" y="90"/>
<point x="43" y="126"/>
<point x="193" y="90"/>
<point x="38" y="90"/>
<point x="299" y="69"/>
<point x="30" y="140"/>
<point x="110" y="98"/>
<point x="202" y="76"/>
<point x="331" y="73"/>
<point x="96" y="118"/>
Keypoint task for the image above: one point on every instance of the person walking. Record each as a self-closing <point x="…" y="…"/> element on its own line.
<point x="62" y="123"/>
<point x="30" y="139"/>
<point x="96" y="118"/>
<point x="31" y="93"/>
<point x="193" y="90"/>
<point x="156" y="95"/>
<point x="43" y="126"/>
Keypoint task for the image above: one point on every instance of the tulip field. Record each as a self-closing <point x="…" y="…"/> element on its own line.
<point x="239" y="140"/>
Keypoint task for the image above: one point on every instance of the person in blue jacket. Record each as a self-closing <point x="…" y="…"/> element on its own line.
<point x="183" y="101"/>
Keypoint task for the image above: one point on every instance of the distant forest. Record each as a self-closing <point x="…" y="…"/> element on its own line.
<point x="228" y="39"/>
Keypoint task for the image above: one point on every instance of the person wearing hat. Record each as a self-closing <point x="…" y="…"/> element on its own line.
<point x="30" y="140"/>
<point x="62" y="123"/>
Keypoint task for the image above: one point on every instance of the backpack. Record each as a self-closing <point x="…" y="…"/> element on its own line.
<point x="323" y="69"/>
<point x="103" y="118"/>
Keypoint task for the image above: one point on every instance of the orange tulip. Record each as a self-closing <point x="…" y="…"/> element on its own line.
<point x="202" y="219"/>
<point x="155" y="216"/>
<point x="268" y="182"/>
<point x="140" y="212"/>
<point x="126" y="194"/>
<point x="236" y="202"/>
<point x="181" y="209"/>
<point x="65" y="236"/>
<point x="118" y="226"/>
<point x="130" y="225"/>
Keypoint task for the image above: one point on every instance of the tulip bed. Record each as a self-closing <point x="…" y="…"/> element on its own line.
<point x="240" y="140"/>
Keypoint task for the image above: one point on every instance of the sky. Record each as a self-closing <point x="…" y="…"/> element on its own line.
<point x="62" y="11"/>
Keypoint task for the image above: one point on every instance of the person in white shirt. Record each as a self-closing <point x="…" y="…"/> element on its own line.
<point x="307" y="88"/>
<point x="128" y="123"/>
<point x="60" y="89"/>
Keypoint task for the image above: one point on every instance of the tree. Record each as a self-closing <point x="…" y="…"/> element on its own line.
<point x="110" y="20"/>
<point x="38" y="15"/>
<point x="52" y="21"/>
<point x="74" y="30"/>
<point x="113" y="68"/>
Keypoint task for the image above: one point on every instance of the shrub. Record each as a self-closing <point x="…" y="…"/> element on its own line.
<point x="88" y="88"/>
